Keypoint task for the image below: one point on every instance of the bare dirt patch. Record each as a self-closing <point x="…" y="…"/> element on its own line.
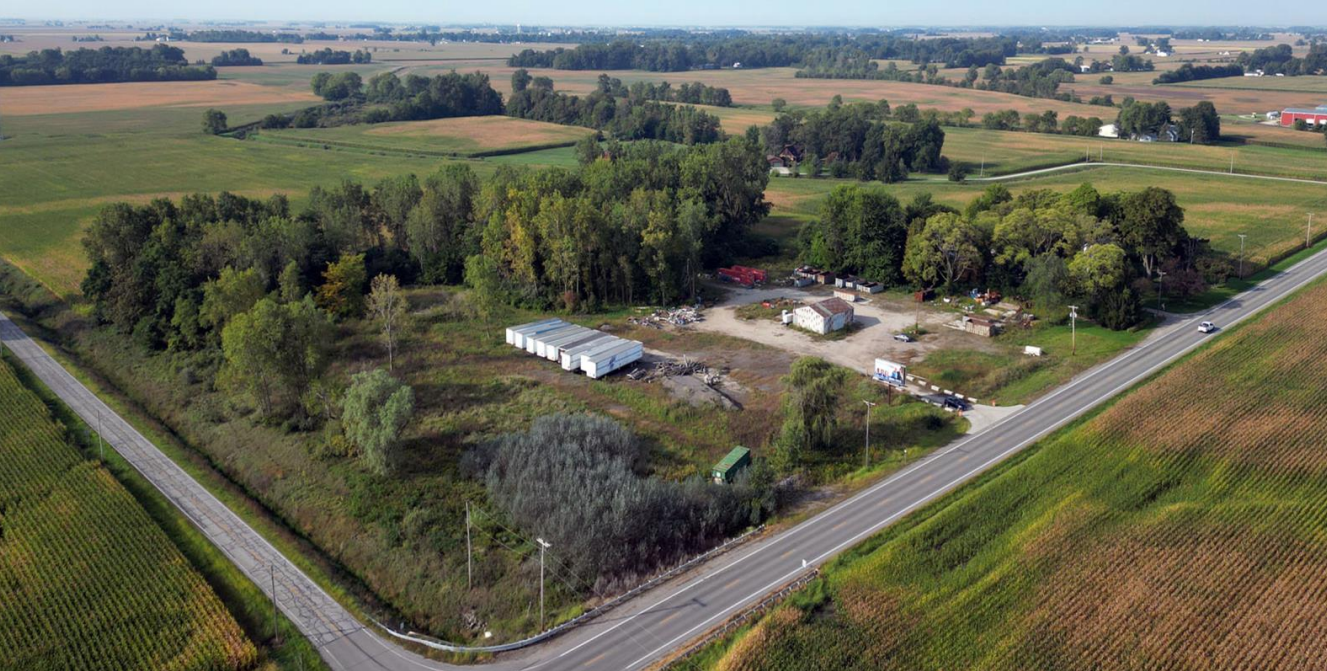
<point x="31" y="100"/>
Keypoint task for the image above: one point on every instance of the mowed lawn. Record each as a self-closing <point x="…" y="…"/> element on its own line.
<point x="1271" y="213"/>
<point x="89" y="580"/>
<point x="1005" y="152"/>
<point x="1181" y="528"/>
<point x="463" y="136"/>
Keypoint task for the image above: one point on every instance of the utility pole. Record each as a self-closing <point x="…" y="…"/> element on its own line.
<point x="542" y="547"/>
<point x="469" y="567"/>
<point x="1241" y="254"/>
<point x="983" y="165"/>
<point x="1308" y="233"/>
<point x="866" y="457"/>
<point x="1073" y="328"/>
<point x="1232" y="164"/>
<point x="101" y="447"/>
<point x="1161" y="288"/>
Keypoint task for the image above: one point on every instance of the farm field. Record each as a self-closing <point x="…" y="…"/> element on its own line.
<point x="464" y="136"/>
<point x="1006" y="152"/>
<point x="1272" y="214"/>
<point x="1316" y="86"/>
<point x="23" y="101"/>
<point x="90" y="581"/>
<point x="1179" y="528"/>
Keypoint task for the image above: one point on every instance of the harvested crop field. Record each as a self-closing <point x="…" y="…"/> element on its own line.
<point x="463" y="135"/>
<point x="33" y="100"/>
<point x="1178" y="529"/>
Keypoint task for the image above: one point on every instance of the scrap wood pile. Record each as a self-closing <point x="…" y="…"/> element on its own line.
<point x="659" y="318"/>
<point x="673" y="368"/>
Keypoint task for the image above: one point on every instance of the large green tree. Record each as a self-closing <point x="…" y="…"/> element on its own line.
<point x="943" y="251"/>
<point x="1151" y="225"/>
<point x="376" y="409"/>
<point x="274" y="352"/>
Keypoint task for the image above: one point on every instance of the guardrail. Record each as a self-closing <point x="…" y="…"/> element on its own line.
<point x="438" y="644"/>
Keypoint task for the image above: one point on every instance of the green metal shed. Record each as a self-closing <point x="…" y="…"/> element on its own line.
<point x="731" y="465"/>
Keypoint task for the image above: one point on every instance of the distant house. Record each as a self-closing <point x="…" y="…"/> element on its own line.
<point x="827" y="316"/>
<point x="781" y="171"/>
<point x="1312" y="117"/>
<point x="737" y="65"/>
<point x="1162" y="54"/>
<point x="1109" y="130"/>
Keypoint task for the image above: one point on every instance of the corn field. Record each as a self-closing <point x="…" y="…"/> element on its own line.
<point x="1185" y="527"/>
<point x="87" y="579"/>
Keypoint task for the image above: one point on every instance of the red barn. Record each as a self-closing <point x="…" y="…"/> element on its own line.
<point x="1312" y="117"/>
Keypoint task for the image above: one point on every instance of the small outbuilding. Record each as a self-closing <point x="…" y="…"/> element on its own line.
<point x="727" y="469"/>
<point x="827" y="316"/>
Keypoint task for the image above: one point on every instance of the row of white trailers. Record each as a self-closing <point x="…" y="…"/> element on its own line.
<point x="575" y="347"/>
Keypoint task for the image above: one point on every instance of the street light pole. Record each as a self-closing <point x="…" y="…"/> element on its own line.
<point x="543" y="545"/>
<point x="866" y="459"/>
<point x="1241" y="254"/>
<point x="1073" y="328"/>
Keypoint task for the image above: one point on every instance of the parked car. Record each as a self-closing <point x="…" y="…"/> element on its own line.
<point x="903" y="337"/>
<point x="1206" y="327"/>
<point x="955" y="403"/>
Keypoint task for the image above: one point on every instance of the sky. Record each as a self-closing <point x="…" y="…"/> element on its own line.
<point x="874" y="13"/>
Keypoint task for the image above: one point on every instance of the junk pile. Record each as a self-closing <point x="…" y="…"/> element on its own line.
<point x="659" y="318"/>
<point x="666" y="368"/>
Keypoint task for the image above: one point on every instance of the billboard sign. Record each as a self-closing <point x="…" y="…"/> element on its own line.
<point x="891" y="373"/>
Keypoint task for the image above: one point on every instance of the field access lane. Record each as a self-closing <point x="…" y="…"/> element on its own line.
<point x="648" y="628"/>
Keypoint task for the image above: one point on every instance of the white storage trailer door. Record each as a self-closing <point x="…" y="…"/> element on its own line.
<point x="519" y="332"/>
<point x="532" y="343"/>
<point x="586" y="355"/>
<point x="608" y="361"/>
<point x="571" y="356"/>
<point x="512" y="330"/>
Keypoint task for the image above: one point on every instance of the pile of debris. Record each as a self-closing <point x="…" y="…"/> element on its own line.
<point x="659" y="318"/>
<point x="666" y="368"/>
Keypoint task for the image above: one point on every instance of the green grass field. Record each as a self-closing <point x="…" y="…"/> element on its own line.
<point x="1008" y="152"/>
<point x="464" y="136"/>
<point x="89" y="580"/>
<point x="1179" y="528"/>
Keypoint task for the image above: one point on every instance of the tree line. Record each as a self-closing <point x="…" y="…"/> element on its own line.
<point x="1199" y="124"/>
<point x="331" y="56"/>
<point x="1281" y="60"/>
<point x="1046" y="122"/>
<point x="674" y="54"/>
<point x="1099" y="251"/>
<point x="857" y="140"/>
<point x="236" y="35"/>
<point x="100" y="66"/>
<point x="1037" y="80"/>
<point x="1190" y="72"/>
<point x="390" y="98"/>
<point x="613" y="109"/>
<point x="235" y="57"/>
<point x="637" y="224"/>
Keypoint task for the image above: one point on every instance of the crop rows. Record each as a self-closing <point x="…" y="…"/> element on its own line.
<point x="87" y="580"/>
<point x="1180" y="529"/>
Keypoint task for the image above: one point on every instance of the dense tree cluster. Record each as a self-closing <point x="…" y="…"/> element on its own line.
<point x="1100" y="250"/>
<point x="610" y="108"/>
<point x="331" y="56"/>
<point x="1190" y="72"/>
<point x="1199" y="124"/>
<point x="856" y="140"/>
<point x="235" y="57"/>
<point x="1037" y="80"/>
<point x="576" y="480"/>
<point x="387" y="97"/>
<point x="694" y="93"/>
<point x="1046" y="122"/>
<point x="1281" y="60"/>
<point x="100" y="66"/>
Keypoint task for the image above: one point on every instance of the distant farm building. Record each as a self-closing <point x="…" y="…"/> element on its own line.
<point x="1311" y="117"/>
<point x="1109" y="130"/>
<point x="827" y="316"/>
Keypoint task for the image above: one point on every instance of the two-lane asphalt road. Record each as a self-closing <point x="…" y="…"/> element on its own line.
<point x="664" y="619"/>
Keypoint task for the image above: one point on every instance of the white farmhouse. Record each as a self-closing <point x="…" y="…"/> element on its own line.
<point x="824" y="317"/>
